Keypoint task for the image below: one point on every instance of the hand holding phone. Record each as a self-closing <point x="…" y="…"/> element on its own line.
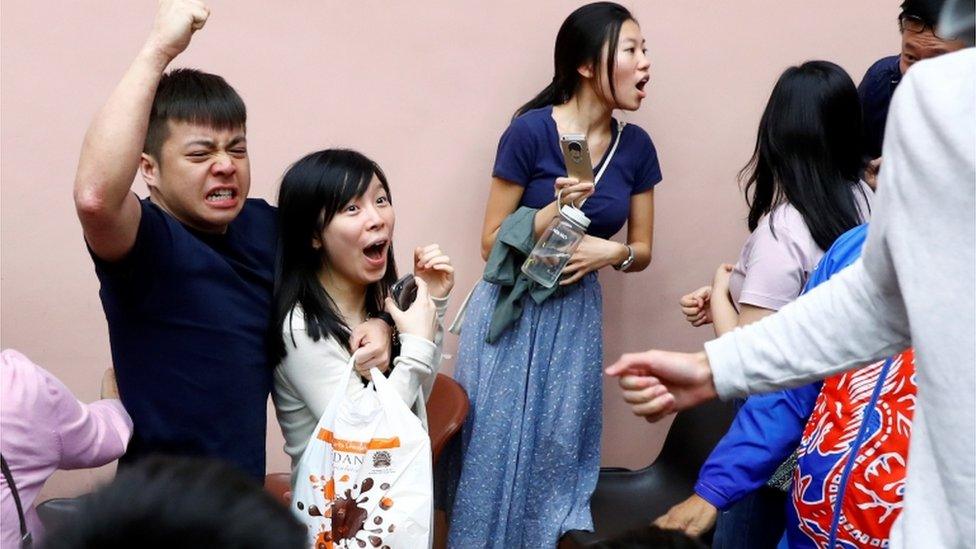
<point x="404" y="291"/>
<point x="420" y="317"/>
<point x="571" y="191"/>
<point x="576" y="154"/>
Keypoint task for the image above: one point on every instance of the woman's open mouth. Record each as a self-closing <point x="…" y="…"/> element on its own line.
<point x="376" y="252"/>
<point x="640" y="86"/>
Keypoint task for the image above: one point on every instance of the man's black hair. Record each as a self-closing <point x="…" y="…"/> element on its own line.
<point x="926" y="10"/>
<point x="189" y="95"/>
<point x="184" y="503"/>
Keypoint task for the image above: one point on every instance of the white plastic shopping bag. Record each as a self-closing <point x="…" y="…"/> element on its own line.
<point x="365" y="480"/>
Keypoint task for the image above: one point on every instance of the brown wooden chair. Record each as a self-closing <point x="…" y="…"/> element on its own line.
<point x="447" y="408"/>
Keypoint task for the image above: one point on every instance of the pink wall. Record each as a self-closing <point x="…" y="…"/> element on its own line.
<point x="426" y="91"/>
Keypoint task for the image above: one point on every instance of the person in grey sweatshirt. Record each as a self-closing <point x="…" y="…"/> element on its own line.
<point x="914" y="285"/>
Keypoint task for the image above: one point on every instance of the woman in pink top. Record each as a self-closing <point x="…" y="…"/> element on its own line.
<point x="45" y="428"/>
<point x="803" y="191"/>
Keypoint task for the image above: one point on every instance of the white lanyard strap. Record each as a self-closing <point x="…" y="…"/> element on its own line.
<point x="613" y="149"/>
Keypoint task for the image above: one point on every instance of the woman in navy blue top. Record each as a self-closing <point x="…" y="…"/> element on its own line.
<point x="530" y="450"/>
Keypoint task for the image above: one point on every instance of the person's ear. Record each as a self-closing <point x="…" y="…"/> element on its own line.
<point x="586" y="71"/>
<point x="149" y="170"/>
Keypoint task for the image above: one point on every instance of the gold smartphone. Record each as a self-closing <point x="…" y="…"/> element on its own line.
<point x="576" y="154"/>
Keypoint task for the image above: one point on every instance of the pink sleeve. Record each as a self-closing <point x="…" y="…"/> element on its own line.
<point x="90" y="435"/>
<point x="775" y="272"/>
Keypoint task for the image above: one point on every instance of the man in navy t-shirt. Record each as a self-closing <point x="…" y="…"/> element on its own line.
<point x="917" y="24"/>
<point x="187" y="275"/>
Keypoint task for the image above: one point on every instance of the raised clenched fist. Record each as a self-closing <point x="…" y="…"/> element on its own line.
<point x="176" y="21"/>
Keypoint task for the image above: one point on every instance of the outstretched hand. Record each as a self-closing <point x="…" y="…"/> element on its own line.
<point x="693" y="516"/>
<point x="658" y="383"/>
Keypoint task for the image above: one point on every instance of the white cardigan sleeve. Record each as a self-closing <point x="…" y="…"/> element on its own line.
<point x="313" y="369"/>
<point x="415" y="370"/>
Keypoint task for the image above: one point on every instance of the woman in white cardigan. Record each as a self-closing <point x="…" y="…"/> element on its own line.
<point x="335" y="269"/>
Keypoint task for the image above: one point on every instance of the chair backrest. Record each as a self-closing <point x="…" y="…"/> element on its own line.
<point x="56" y="512"/>
<point x="657" y="487"/>
<point x="694" y="434"/>
<point x="446" y="409"/>
<point x="279" y="486"/>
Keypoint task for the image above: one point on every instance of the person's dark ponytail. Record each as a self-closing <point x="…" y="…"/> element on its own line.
<point x="545" y="97"/>
<point x="580" y="42"/>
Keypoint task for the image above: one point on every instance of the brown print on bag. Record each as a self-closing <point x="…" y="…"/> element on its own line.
<point x="324" y="540"/>
<point x="327" y="487"/>
<point x="347" y="517"/>
<point x="349" y="520"/>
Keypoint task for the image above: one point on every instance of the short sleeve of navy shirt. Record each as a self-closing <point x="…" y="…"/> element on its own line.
<point x="529" y="155"/>
<point x="188" y="313"/>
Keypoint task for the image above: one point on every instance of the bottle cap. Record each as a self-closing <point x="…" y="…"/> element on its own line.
<point x="575" y="216"/>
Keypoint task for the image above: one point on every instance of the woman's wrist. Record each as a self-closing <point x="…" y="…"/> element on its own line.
<point x="724" y="316"/>
<point x="543" y="217"/>
<point x="614" y="252"/>
<point x="624" y="257"/>
<point x="720" y="301"/>
<point x="385" y="317"/>
<point x="416" y="333"/>
<point x="409" y="342"/>
<point x="440" y="304"/>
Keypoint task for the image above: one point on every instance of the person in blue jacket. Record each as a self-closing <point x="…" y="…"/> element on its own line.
<point x="769" y="428"/>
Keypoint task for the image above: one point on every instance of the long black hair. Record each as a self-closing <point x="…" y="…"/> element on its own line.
<point x="808" y="151"/>
<point x="580" y="42"/>
<point x="312" y="191"/>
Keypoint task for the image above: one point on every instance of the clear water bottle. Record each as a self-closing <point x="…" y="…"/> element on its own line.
<point x="557" y="244"/>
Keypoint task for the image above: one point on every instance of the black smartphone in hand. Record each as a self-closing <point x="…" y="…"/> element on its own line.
<point x="404" y="291"/>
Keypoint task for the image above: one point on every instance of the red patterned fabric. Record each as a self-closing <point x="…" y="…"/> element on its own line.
<point x="845" y="424"/>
